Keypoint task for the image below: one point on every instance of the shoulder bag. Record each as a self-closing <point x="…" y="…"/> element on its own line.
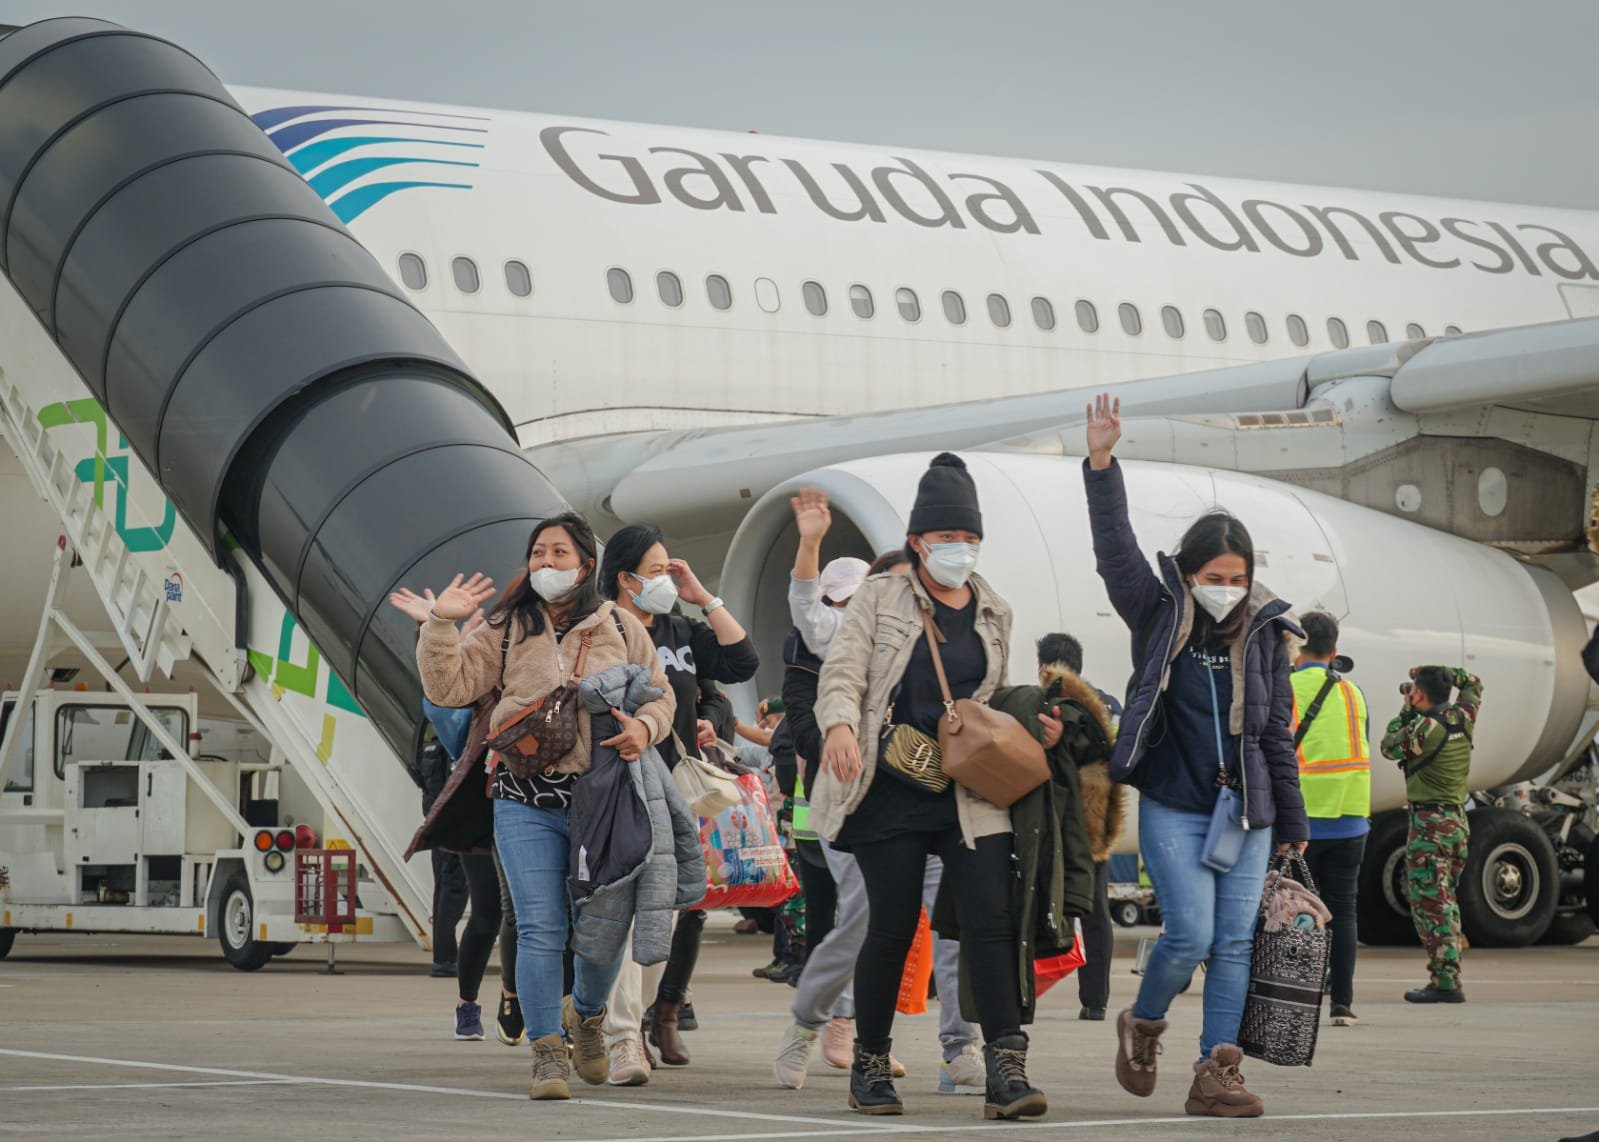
<point x="909" y="754"/>
<point x="986" y="750"/>
<point x="530" y="743"/>
<point x="707" y="787"/>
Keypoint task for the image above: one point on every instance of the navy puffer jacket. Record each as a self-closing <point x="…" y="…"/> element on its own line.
<point x="1160" y="613"/>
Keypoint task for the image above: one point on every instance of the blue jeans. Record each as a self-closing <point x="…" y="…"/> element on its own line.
<point x="532" y="844"/>
<point x="1206" y="916"/>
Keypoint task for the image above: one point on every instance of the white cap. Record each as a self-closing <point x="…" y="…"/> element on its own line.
<point x="842" y="577"/>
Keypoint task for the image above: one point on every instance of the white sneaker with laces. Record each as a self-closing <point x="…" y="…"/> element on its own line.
<point x="628" y="1067"/>
<point x="794" y="1056"/>
<point x="964" y="1074"/>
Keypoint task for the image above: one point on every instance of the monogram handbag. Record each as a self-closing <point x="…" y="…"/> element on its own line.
<point x="530" y="743"/>
<point x="986" y="750"/>
<point x="1282" y="1010"/>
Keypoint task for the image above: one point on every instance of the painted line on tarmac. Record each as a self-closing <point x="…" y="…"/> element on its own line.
<point x="150" y="1086"/>
<point x="839" y="1127"/>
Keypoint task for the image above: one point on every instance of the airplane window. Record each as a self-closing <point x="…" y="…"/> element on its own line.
<point x="909" y="308"/>
<point x="954" y="308"/>
<point x="1376" y="332"/>
<point x="998" y="310"/>
<point x="1087" y="317"/>
<point x="720" y="293"/>
<point x="670" y="288"/>
<point x="620" y="284"/>
<point x="1255" y="326"/>
<point x="815" y="298"/>
<point x="1338" y="333"/>
<point x="517" y="278"/>
<point x="1298" y="332"/>
<point x="766" y="295"/>
<point x="464" y="270"/>
<point x="1415" y="332"/>
<point x="1043" y="313"/>
<point x="1132" y="324"/>
<point x="1215" y="325"/>
<point x="1172" y="320"/>
<point x="413" y="271"/>
<point x="860" y="300"/>
<point x="1452" y="330"/>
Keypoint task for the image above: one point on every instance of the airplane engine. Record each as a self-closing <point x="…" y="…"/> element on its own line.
<point x="1403" y="594"/>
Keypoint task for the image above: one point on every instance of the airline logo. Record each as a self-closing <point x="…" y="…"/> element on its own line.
<point x="355" y="157"/>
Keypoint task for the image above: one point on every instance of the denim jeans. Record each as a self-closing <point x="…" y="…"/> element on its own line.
<point x="1207" y="916"/>
<point x="533" y="850"/>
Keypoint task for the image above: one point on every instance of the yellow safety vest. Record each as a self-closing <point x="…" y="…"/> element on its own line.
<point x="802" y="813"/>
<point x="1335" y="757"/>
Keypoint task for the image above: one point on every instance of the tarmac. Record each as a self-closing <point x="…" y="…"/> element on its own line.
<point x="133" y="1037"/>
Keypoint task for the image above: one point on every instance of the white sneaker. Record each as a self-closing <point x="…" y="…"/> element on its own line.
<point x="964" y="1074"/>
<point x="628" y="1067"/>
<point x="794" y="1056"/>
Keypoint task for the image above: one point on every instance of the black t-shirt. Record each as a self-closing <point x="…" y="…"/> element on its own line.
<point x="892" y="805"/>
<point x="1180" y="768"/>
<point x="689" y="651"/>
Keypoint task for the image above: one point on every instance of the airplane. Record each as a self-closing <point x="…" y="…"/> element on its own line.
<point x="1397" y="393"/>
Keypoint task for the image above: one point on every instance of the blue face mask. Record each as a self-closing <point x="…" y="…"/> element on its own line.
<point x="951" y="564"/>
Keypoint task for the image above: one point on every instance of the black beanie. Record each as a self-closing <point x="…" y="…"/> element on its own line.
<point x="946" y="498"/>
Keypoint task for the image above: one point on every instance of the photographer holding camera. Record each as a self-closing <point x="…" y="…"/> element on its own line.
<point x="1431" y="739"/>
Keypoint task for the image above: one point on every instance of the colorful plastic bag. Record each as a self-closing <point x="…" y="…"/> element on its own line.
<point x="918" y="970"/>
<point x="745" y="866"/>
<point x="1050" y="970"/>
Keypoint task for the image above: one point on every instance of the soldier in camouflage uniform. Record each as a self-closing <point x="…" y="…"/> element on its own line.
<point x="1431" y="739"/>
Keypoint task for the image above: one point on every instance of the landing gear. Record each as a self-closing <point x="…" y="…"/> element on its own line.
<point x="1511" y="883"/>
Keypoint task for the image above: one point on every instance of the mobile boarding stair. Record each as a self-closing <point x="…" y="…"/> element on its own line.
<point x="249" y="437"/>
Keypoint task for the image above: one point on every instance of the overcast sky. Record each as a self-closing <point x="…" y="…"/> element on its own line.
<point x="1468" y="98"/>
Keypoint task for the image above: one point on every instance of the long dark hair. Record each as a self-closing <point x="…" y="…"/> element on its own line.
<point x="625" y="552"/>
<point x="888" y="561"/>
<point x="1212" y="534"/>
<point x="522" y="604"/>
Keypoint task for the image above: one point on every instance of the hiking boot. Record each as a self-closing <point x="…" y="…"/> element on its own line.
<point x="1343" y="1017"/>
<point x="508" y="1025"/>
<point x="964" y="1074"/>
<point x="1137" y="1044"/>
<point x="871" y="1083"/>
<point x="1007" y="1093"/>
<point x="628" y="1067"/>
<point x="1218" y="1089"/>
<point x="663" y="1033"/>
<point x="794" y="1056"/>
<point x="685" y="1017"/>
<point x="771" y="970"/>
<point x="588" y="1043"/>
<point x="1432" y="993"/>
<point x="468" y="1021"/>
<point x="552" y="1069"/>
<point x="838" y="1043"/>
<point x="1092" y="1014"/>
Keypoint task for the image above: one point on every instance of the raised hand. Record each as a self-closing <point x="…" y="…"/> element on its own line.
<point x="633" y="740"/>
<point x="463" y="596"/>
<point x="412" y="605"/>
<point x="1104" y="429"/>
<point x="811" y="513"/>
<point x="689" y="587"/>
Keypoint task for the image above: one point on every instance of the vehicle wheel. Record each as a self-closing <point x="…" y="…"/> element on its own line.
<point x="1382" y="908"/>
<point x="1124" y="912"/>
<point x="236" y="927"/>
<point x="1567" y="929"/>
<point x="1511" y="883"/>
<point x="1590" y="880"/>
<point x="8" y="936"/>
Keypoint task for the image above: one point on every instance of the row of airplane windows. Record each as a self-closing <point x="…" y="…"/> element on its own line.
<point x="719" y="292"/>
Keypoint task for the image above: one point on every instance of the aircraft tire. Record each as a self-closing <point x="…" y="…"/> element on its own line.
<point x="1382" y="910"/>
<point x="1511" y="883"/>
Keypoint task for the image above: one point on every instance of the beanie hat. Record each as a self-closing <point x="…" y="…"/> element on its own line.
<point x="946" y="498"/>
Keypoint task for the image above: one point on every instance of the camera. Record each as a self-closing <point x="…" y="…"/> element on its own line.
<point x="1406" y="687"/>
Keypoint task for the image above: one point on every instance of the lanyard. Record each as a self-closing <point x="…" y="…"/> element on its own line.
<point x="1215" y="721"/>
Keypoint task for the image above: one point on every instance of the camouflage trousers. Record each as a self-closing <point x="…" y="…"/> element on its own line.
<point x="1434" y="858"/>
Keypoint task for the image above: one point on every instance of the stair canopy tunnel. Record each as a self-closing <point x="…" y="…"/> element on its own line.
<point x="256" y="357"/>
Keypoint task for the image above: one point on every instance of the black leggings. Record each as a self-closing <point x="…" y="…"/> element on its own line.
<point x="979" y="879"/>
<point x="685" y="954"/>
<point x="482" y="926"/>
<point x="821" y="893"/>
<point x="507" y="929"/>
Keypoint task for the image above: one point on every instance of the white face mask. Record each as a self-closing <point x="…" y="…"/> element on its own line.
<point x="950" y="564"/>
<point x="553" y="585"/>
<point x="655" y="596"/>
<point x="1218" y="602"/>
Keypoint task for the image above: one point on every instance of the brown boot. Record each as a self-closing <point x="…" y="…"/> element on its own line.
<point x="664" y="1034"/>
<point x="552" y="1069"/>
<point x="587" y="1037"/>
<point x="1218" y="1088"/>
<point x="1137" y="1044"/>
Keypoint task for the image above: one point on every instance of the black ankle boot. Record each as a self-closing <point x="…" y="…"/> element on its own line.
<point x="1009" y="1095"/>
<point x="871" y="1082"/>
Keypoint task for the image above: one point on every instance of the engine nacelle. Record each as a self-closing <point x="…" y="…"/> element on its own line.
<point x="1403" y="594"/>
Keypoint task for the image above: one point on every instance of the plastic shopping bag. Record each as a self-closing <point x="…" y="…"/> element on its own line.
<point x="1050" y="970"/>
<point x="918" y="970"/>
<point x="745" y="866"/>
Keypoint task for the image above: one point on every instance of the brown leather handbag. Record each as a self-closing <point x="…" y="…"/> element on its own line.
<point x="986" y="750"/>
<point x="530" y="743"/>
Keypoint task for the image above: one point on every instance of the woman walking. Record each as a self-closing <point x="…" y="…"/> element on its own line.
<point x="1205" y="738"/>
<point x="526" y="649"/>
<point x="879" y="674"/>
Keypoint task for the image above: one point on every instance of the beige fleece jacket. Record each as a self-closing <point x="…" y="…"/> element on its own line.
<point x="458" y="673"/>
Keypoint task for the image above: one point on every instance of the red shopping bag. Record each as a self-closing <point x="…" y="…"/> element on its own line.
<point x="1050" y="970"/>
<point x="745" y="866"/>
<point x="918" y="970"/>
